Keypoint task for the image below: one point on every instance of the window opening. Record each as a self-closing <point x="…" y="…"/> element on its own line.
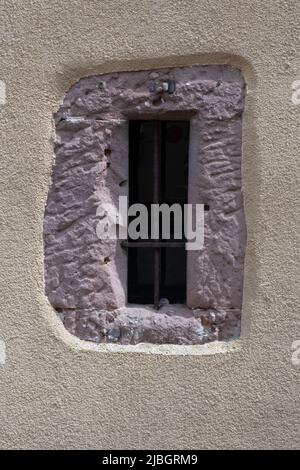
<point x="158" y="173"/>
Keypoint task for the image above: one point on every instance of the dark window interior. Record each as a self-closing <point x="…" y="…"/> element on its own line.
<point x="158" y="173"/>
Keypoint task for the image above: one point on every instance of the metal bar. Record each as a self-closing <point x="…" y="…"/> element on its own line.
<point x="150" y="244"/>
<point x="156" y="197"/>
<point x="163" y="253"/>
<point x="156" y="161"/>
<point x="156" y="277"/>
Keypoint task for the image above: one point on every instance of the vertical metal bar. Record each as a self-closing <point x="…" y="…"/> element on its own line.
<point x="156" y="160"/>
<point x="163" y="253"/>
<point x="156" y="276"/>
<point x="156" y="197"/>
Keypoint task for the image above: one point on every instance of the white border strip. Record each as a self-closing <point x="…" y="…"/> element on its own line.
<point x="207" y="349"/>
<point x="2" y="93"/>
<point x="2" y="352"/>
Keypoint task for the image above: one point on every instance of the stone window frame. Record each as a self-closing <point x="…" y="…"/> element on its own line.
<point x="85" y="277"/>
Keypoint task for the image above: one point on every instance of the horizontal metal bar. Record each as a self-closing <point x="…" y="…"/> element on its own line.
<point x="152" y="244"/>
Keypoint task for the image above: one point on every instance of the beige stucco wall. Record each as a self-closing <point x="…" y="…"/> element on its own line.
<point x="59" y="392"/>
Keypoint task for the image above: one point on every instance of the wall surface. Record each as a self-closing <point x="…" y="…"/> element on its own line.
<point x="57" y="391"/>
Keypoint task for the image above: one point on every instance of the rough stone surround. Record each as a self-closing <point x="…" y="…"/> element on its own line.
<point x="85" y="277"/>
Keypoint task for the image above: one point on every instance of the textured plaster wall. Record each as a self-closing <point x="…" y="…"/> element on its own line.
<point x="59" y="392"/>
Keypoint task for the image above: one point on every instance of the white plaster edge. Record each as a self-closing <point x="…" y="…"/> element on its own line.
<point x="207" y="349"/>
<point x="2" y="352"/>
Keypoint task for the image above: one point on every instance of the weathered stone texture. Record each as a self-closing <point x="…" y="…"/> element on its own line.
<point x="86" y="277"/>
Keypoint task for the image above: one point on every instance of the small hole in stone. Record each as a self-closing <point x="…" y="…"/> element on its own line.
<point x="122" y="183"/>
<point x="157" y="101"/>
<point x="206" y="207"/>
<point x="107" y="152"/>
<point x="106" y="259"/>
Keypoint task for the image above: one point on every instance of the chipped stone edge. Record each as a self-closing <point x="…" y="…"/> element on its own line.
<point x="80" y="345"/>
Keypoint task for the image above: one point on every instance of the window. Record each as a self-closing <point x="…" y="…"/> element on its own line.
<point x="158" y="173"/>
<point x="170" y="136"/>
